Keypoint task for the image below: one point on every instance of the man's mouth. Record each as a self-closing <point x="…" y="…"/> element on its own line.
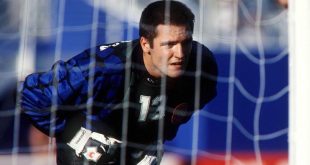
<point x="176" y="63"/>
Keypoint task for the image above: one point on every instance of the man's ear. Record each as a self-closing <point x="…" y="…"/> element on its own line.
<point x="145" y="45"/>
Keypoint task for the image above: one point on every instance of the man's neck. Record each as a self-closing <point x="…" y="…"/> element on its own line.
<point x="149" y="66"/>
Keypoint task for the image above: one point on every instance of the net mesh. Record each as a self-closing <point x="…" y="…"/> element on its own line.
<point x="245" y="123"/>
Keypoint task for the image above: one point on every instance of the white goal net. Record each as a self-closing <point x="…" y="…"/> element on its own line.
<point x="247" y="123"/>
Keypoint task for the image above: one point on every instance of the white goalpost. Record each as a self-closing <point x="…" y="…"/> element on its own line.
<point x="299" y="59"/>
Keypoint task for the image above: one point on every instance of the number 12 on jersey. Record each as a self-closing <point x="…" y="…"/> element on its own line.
<point x="145" y="105"/>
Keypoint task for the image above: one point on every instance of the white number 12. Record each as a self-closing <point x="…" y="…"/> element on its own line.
<point x="145" y="104"/>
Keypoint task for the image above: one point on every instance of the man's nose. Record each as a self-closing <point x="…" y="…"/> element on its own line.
<point x="179" y="51"/>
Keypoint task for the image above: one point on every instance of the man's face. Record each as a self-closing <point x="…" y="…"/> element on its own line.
<point x="169" y="54"/>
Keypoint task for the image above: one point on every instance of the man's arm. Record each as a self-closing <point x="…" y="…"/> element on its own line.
<point x="65" y="87"/>
<point x="62" y="86"/>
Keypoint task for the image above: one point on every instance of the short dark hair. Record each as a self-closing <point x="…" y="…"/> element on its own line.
<point x="164" y="12"/>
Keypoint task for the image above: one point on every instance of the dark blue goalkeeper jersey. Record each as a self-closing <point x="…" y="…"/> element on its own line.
<point x="97" y="87"/>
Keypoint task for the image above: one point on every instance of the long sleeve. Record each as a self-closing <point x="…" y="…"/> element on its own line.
<point x="63" y="86"/>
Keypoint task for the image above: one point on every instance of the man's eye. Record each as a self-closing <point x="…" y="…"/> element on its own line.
<point x="169" y="46"/>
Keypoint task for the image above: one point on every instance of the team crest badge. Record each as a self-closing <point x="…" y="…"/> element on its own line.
<point x="180" y="113"/>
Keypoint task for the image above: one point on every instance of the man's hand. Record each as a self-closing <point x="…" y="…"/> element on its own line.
<point x="94" y="146"/>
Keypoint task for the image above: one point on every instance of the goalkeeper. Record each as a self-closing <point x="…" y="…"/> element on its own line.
<point x="97" y="107"/>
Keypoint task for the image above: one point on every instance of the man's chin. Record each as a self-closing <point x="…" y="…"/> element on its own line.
<point x="175" y="74"/>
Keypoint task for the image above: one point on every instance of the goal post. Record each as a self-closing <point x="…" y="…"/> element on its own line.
<point x="299" y="80"/>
